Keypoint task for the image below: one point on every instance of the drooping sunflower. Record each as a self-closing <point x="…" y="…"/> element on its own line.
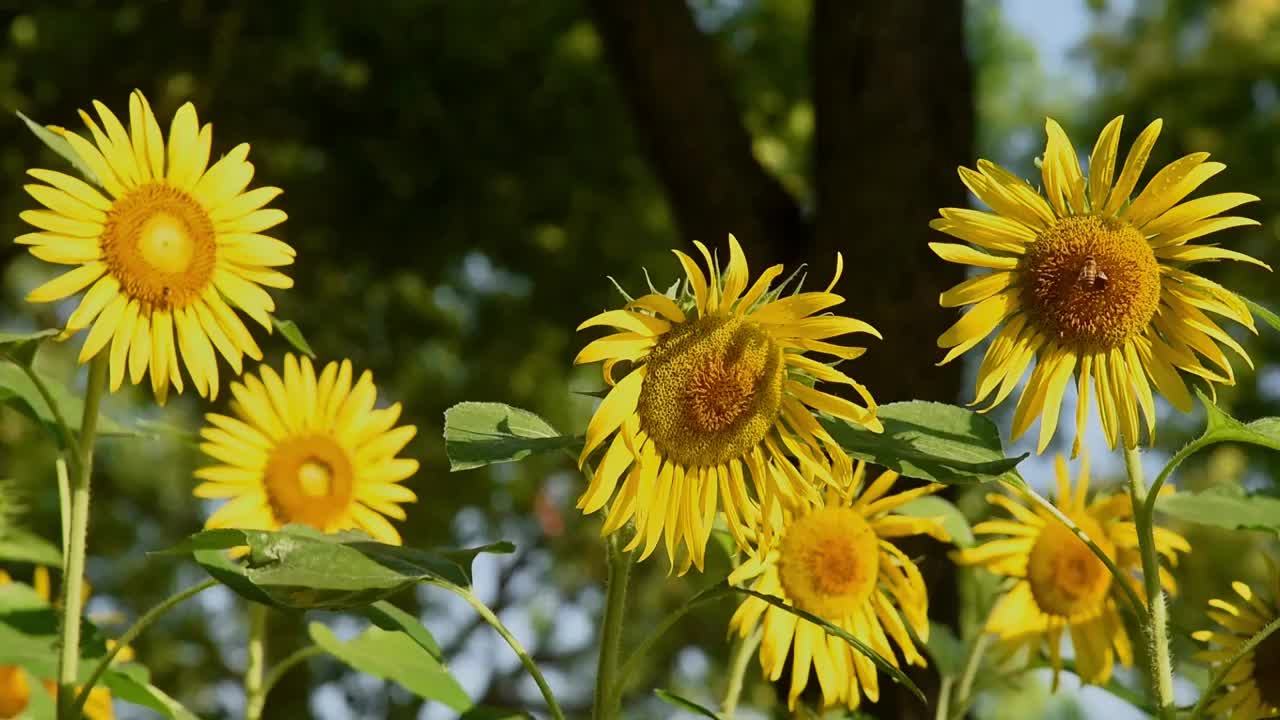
<point x="1253" y="683"/>
<point x="1060" y="585"/>
<point x="718" y="393"/>
<point x="835" y="560"/>
<point x="1092" y="282"/>
<point x="15" y="682"/>
<point x="165" y="253"/>
<point x="310" y="450"/>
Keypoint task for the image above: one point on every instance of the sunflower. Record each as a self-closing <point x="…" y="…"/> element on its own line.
<point x="15" y="684"/>
<point x="310" y="450"/>
<point x="834" y="560"/>
<point x="165" y="253"/>
<point x="1090" y="282"/>
<point x="1060" y="585"/>
<point x="718" y="389"/>
<point x="1254" y="681"/>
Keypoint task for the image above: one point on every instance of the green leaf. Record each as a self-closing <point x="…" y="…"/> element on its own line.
<point x="23" y="546"/>
<point x="673" y="699"/>
<point x="1221" y="427"/>
<point x="1267" y="315"/>
<point x="59" y="144"/>
<point x="1224" y="506"/>
<point x="485" y="712"/>
<point x="290" y="332"/>
<point x="29" y="634"/>
<point x="885" y="666"/>
<point x="17" y="390"/>
<point x="945" y="649"/>
<point x="953" y="521"/>
<point x="132" y="683"/>
<point x="483" y="433"/>
<point x="300" y="568"/>
<point x="389" y="617"/>
<point x="931" y="441"/>
<point x="397" y="657"/>
<point x="21" y="347"/>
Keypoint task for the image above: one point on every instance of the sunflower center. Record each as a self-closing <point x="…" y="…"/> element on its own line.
<point x="309" y="480"/>
<point x="160" y="244"/>
<point x="15" y="693"/>
<point x="829" y="562"/>
<point x="712" y="390"/>
<point x="1067" y="579"/>
<point x="1091" y="282"/>
<point x="1266" y="669"/>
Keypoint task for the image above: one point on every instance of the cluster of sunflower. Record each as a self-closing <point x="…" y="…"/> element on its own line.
<point x="714" y="395"/>
<point x="714" y="417"/>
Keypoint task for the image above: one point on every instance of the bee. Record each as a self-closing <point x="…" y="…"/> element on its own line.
<point x="1091" y="276"/>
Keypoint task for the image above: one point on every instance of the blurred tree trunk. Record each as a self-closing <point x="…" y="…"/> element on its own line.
<point x="893" y="107"/>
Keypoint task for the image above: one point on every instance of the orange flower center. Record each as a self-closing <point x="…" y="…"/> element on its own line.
<point x="1091" y="283"/>
<point x="1067" y="579"/>
<point x="160" y="244"/>
<point x="829" y="562"/>
<point x="712" y="391"/>
<point x="309" y="480"/>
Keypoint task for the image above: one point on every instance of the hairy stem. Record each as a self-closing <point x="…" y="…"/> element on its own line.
<point x="1156" y="621"/>
<point x="73" y="563"/>
<point x="608" y="694"/>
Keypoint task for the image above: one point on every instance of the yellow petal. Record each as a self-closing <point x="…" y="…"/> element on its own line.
<point x="976" y="289"/>
<point x="957" y="253"/>
<point x="616" y="407"/>
<point x="1134" y="162"/>
<point x="1102" y="163"/>
<point x="68" y="283"/>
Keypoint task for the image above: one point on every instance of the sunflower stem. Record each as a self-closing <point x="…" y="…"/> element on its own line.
<point x="255" y="672"/>
<point x="284" y="666"/>
<point x="132" y="634"/>
<point x="487" y="615"/>
<point x="743" y="650"/>
<point x="608" y="695"/>
<point x="73" y="562"/>
<point x="1156" y="622"/>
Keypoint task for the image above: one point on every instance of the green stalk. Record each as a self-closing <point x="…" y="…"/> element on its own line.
<point x="132" y="634"/>
<point x="73" y="563"/>
<point x="1156" y="622"/>
<point x="743" y="650"/>
<point x="284" y="666"/>
<point x="608" y="695"/>
<point x="487" y="615"/>
<point x="255" y="672"/>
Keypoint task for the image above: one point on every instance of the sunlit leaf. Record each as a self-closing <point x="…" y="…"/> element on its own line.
<point x="301" y="568"/>
<point x="1225" y="506"/>
<point x="290" y="332"/>
<point x="18" y="391"/>
<point x="21" y="347"/>
<point x="931" y="441"/>
<point x="397" y="657"/>
<point x="685" y="704"/>
<point x="59" y="145"/>
<point x="132" y="683"/>
<point x="29" y="634"/>
<point x="953" y="521"/>
<point x="389" y="617"/>
<point x="482" y="433"/>
<point x="18" y="545"/>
